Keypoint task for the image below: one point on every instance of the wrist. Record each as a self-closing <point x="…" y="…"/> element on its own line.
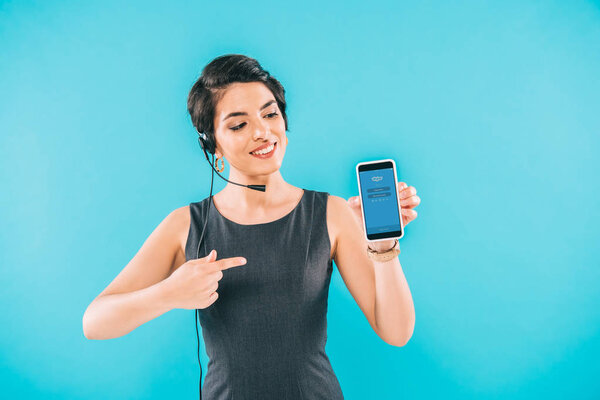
<point x="382" y="247"/>
<point x="164" y="295"/>
<point x="382" y="256"/>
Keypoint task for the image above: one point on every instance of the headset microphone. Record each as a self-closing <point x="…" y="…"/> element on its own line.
<point x="206" y="140"/>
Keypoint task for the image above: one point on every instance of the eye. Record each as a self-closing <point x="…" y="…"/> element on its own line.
<point x="237" y="128"/>
<point x="240" y="126"/>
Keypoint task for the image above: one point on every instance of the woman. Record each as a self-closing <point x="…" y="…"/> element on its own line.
<point x="261" y="284"/>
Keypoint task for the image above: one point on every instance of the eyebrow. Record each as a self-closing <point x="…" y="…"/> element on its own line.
<point x="233" y="114"/>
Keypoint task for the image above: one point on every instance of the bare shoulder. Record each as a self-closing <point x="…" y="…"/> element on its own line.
<point x="181" y="214"/>
<point x="335" y="209"/>
<point x="335" y="204"/>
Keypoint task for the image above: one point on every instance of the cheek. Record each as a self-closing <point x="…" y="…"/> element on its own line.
<point x="279" y="124"/>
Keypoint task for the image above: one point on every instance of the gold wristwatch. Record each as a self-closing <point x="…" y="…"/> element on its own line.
<point x="386" y="255"/>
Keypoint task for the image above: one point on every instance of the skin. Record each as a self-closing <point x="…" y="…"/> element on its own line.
<point x="139" y="292"/>
<point x="253" y="130"/>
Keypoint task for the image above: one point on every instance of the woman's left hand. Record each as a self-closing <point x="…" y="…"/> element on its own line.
<point x="408" y="201"/>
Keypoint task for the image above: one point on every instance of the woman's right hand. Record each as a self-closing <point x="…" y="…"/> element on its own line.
<point x="194" y="284"/>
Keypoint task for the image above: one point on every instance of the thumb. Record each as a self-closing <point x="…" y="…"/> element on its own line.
<point x="212" y="256"/>
<point x="354" y="201"/>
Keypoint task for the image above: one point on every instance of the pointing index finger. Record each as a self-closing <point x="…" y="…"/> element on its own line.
<point x="226" y="263"/>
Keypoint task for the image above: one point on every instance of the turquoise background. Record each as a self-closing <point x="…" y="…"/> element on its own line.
<point x="490" y="109"/>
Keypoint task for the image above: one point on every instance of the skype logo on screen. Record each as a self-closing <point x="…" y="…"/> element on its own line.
<point x="377" y="178"/>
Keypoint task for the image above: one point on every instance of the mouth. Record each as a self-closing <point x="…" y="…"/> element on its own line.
<point x="273" y="145"/>
<point x="267" y="155"/>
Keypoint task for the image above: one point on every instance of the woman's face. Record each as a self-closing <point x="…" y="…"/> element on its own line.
<point x="246" y="117"/>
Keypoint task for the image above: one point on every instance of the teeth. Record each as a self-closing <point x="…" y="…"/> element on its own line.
<point x="264" y="151"/>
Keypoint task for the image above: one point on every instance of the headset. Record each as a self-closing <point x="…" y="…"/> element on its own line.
<point x="207" y="143"/>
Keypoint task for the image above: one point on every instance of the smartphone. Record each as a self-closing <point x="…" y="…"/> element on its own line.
<point x="378" y="191"/>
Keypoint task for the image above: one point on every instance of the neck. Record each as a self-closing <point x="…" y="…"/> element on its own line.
<point x="243" y="198"/>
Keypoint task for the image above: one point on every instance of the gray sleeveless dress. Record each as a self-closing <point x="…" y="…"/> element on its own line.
<point x="265" y="335"/>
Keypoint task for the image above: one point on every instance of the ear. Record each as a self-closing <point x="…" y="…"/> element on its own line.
<point x="218" y="153"/>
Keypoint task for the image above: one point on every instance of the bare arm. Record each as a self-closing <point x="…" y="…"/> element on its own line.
<point x="137" y="295"/>
<point x="114" y="315"/>
<point x="380" y="289"/>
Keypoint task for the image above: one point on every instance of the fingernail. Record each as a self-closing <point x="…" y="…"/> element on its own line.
<point x="243" y="261"/>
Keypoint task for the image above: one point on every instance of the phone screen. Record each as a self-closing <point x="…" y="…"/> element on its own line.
<point x="380" y="201"/>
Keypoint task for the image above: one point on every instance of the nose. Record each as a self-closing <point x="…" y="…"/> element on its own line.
<point x="262" y="131"/>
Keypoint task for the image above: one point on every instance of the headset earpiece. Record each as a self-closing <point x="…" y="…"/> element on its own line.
<point x="206" y="142"/>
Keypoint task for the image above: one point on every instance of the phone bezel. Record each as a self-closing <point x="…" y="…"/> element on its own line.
<point x="375" y="165"/>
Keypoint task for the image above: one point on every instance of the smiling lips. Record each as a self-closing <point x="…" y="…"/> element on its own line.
<point x="266" y="155"/>
<point x="263" y="147"/>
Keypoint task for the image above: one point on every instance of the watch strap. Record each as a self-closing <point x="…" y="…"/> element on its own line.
<point x="386" y="255"/>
